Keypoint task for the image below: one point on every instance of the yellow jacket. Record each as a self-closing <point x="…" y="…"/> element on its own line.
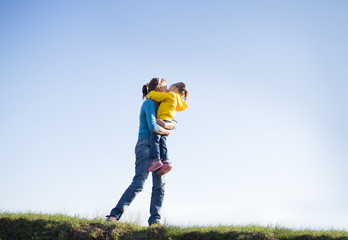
<point x="170" y="103"/>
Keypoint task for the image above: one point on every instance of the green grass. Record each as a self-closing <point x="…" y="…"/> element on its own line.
<point x="43" y="226"/>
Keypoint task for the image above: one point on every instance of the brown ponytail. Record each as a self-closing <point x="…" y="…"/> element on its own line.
<point x="182" y="90"/>
<point x="151" y="86"/>
<point x="145" y="91"/>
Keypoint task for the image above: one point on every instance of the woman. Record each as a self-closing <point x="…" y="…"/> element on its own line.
<point x="142" y="153"/>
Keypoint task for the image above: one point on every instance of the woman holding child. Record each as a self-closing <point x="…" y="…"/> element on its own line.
<point x="148" y="126"/>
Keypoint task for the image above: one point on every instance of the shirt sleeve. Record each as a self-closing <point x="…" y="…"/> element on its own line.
<point x="157" y="96"/>
<point x="175" y="124"/>
<point x="150" y="111"/>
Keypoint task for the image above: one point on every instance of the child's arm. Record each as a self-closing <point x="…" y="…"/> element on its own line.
<point x="157" y="96"/>
<point x="181" y="107"/>
<point x="181" y="104"/>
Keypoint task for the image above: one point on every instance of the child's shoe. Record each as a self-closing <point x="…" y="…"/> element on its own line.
<point x="164" y="169"/>
<point x="154" y="165"/>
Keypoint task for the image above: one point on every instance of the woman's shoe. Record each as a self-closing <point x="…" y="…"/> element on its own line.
<point x="111" y="218"/>
<point x="154" y="165"/>
<point x="155" y="223"/>
<point x="164" y="169"/>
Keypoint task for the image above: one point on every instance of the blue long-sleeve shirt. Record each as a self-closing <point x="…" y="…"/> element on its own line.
<point x="147" y="123"/>
<point x="147" y="120"/>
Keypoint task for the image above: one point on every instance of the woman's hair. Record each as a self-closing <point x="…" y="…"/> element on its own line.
<point x="182" y="90"/>
<point x="151" y="86"/>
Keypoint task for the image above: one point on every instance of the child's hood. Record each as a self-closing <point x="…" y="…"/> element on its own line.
<point x="181" y="105"/>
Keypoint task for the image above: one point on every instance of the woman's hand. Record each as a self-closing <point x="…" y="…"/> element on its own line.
<point x="163" y="131"/>
<point x="166" y="125"/>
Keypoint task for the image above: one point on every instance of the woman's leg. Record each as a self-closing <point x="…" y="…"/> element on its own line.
<point x="158" y="186"/>
<point x="142" y="153"/>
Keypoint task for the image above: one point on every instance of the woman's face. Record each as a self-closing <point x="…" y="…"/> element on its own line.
<point x="162" y="87"/>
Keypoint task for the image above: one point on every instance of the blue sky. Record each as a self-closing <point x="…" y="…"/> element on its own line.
<point x="264" y="139"/>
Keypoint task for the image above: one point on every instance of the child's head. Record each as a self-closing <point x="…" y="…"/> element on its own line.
<point x="151" y="86"/>
<point x="180" y="88"/>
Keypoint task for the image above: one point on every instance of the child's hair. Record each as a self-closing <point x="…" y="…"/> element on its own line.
<point x="151" y="86"/>
<point x="182" y="90"/>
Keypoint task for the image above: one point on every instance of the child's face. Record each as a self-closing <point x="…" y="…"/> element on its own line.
<point x="172" y="88"/>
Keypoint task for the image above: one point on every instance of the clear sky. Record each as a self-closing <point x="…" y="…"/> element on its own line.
<point x="264" y="139"/>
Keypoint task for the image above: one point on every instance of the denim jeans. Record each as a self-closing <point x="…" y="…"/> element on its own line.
<point x="142" y="163"/>
<point x="159" y="147"/>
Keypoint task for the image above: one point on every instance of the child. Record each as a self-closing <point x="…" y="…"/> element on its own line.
<point x="171" y="102"/>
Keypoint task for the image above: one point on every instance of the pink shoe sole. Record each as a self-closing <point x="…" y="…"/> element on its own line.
<point x="110" y="218"/>
<point x="164" y="169"/>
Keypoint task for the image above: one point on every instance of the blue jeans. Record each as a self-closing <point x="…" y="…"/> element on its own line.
<point x="142" y="163"/>
<point x="159" y="147"/>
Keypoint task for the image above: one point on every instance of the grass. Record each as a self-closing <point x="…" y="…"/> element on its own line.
<point x="43" y="226"/>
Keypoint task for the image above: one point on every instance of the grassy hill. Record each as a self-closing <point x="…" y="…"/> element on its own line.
<point x="40" y="226"/>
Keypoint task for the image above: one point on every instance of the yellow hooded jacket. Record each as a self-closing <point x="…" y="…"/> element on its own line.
<point x="170" y="104"/>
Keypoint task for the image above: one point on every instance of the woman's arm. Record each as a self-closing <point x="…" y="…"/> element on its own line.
<point x="150" y="111"/>
<point x="166" y="125"/>
<point x="163" y="131"/>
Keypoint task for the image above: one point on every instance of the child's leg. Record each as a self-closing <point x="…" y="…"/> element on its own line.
<point x="155" y="146"/>
<point x="155" y="152"/>
<point x="163" y="149"/>
<point x="164" y="155"/>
